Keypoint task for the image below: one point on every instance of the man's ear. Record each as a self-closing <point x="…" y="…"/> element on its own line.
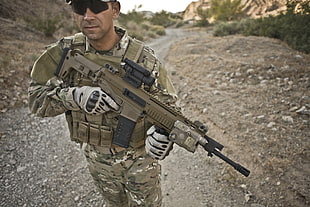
<point x="116" y="7"/>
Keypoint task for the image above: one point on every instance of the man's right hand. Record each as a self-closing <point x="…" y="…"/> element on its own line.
<point x="93" y="100"/>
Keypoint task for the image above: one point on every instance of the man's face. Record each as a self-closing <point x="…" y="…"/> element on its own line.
<point x="98" y="26"/>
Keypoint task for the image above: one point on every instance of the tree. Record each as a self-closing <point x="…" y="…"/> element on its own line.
<point x="204" y="14"/>
<point x="162" y="18"/>
<point x="132" y="15"/>
<point x="226" y="10"/>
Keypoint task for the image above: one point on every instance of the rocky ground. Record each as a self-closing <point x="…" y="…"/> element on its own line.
<point x="252" y="92"/>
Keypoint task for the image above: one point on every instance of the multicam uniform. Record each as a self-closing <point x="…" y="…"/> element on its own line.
<point x="125" y="177"/>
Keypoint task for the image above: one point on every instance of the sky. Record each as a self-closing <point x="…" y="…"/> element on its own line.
<point x="155" y="5"/>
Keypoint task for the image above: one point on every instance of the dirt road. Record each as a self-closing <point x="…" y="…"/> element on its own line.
<point x="253" y="94"/>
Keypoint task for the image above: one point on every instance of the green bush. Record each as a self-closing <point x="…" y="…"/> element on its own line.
<point x="136" y="30"/>
<point x="142" y="28"/>
<point x="224" y="29"/>
<point x="226" y="10"/>
<point x="291" y="27"/>
<point x="144" y="31"/>
<point x="48" y="25"/>
<point x="163" y="18"/>
<point x="180" y="23"/>
<point x="132" y="16"/>
<point x="204" y="14"/>
<point x="159" y="30"/>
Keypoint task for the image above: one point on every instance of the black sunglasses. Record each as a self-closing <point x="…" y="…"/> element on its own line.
<point x="96" y="6"/>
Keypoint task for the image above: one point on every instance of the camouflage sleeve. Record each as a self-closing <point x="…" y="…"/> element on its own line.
<point x="46" y="96"/>
<point x="50" y="99"/>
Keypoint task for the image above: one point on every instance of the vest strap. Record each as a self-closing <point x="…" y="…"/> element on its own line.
<point x="134" y="50"/>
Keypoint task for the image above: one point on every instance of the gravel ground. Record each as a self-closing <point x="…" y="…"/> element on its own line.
<point x="40" y="166"/>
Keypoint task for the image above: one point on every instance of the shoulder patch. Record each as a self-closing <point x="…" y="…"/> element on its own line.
<point x="149" y="59"/>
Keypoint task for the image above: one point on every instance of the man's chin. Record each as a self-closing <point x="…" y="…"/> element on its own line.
<point x="91" y="36"/>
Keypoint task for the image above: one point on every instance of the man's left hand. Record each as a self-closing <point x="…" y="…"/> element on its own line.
<point x="157" y="144"/>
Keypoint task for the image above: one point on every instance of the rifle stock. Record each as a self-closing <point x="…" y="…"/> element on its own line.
<point x="137" y="103"/>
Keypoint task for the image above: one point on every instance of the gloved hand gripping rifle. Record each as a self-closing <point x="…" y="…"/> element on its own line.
<point x="135" y="103"/>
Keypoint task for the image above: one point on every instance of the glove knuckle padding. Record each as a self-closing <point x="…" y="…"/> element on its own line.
<point x="93" y="100"/>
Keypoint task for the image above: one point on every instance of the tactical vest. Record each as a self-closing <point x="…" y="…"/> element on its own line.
<point x="98" y="129"/>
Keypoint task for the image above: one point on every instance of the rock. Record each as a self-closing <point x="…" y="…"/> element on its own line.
<point x="271" y="124"/>
<point x="260" y="117"/>
<point x="256" y="205"/>
<point x="294" y="108"/>
<point x="250" y="71"/>
<point x="303" y="110"/>
<point x="264" y="82"/>
<point x="232" y="80"/>
<point x="272" y="67"/>
<point x="288" y="119"/>
<point x="243" y="186"/>
<point x="299" y="57"/>
<point x="216" y="92"/>
<point x="237" y="74"/>
<point x="184" y="96"/>
<point x="248" y="196"/>
<point x="20" y="168"/>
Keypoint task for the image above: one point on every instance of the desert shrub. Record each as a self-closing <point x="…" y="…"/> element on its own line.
<point x="48" y="25"/>
<point x="142" y="28"/>
<point x="163" y="18"/>
<point x="144" y="31"/>
<point x="151" y="34"/>
<point x="179" y="24"/>
<point x="204" y="14"/>
<point x="132" y="16"/>
<point x="226" y="10"/>
<point x="159" y="30"/>
<point x="136" y="30"/>
<point x="146" y="25"/>
<point x="293" y="27"/>
<point x="224" y="29"/>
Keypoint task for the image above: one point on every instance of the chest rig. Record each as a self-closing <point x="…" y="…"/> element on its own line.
<point x="98" y="129"/>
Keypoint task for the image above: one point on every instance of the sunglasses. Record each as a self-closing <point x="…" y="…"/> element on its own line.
<point x="96" y="6"/>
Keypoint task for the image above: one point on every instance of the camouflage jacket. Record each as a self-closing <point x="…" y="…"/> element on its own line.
<point x="46" y="99"/>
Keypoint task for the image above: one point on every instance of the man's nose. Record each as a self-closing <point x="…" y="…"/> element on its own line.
<point x="89" y="15"/>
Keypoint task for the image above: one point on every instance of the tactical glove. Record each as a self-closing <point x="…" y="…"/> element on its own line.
<point x="93" y="100"/>
<point x="157" y="144"/>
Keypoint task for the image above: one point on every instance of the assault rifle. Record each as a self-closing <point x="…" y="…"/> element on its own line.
<point x="135" y="102"/>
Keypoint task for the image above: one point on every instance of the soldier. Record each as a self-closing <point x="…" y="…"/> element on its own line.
<point x="124" y="176"/>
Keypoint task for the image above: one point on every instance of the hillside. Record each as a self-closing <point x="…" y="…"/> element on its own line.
<point x="253" y="8"/>
<point x="21" y="44"/>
